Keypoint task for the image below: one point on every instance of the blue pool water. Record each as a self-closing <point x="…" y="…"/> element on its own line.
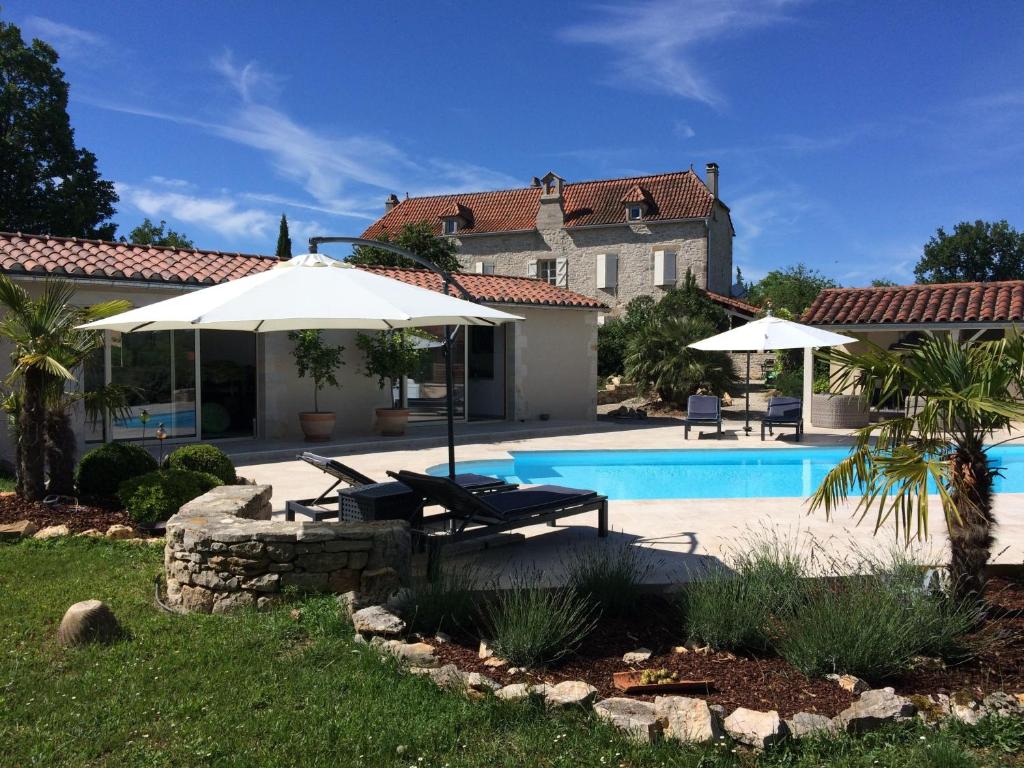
<point x="693" y="473"/>
<point x="176" y="420"/>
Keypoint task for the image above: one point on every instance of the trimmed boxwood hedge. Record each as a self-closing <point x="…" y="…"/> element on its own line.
<point x="156" y="496"/>
<point x="204" y="458"/>
<point x="102" y="470"/>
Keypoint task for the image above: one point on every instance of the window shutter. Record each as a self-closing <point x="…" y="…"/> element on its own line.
<point x="562" y="273"/>
<point x="483" y="268"/>
<point x="531" y="268"/>
<point x="607" y="270"/>
<point x="664" y="268"/>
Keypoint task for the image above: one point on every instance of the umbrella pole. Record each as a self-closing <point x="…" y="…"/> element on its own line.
<point x="746" y="427"/>
<point x="450" y="399"/>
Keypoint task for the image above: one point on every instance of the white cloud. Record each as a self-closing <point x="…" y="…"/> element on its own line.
<point x="683" y="129"/>
<point x="68" y="40"/>
<point x="219" y="214"/>
<point x="654" y="42"/>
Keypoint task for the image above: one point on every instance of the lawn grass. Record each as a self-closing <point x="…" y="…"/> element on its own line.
<point x="263" y="690"/>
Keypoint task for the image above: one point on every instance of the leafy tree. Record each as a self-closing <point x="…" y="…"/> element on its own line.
<point x="660" y="359"/>
<point x="284" y="240"/>
<point x="46" y="347"/>
<point x="613" y="337"/>
<point x="688" y="300"/>
<point x="793" y="288"/>
<point x="982" y="251"/>
<point x="418" y="238"/>
<point x="881" y="282"/>
<point x="391" y="355"/>
<point x="148" y="233"/>
<point x="957" y="397"/>
<point x="47" y="184"/>
<point x="317" y="360"/>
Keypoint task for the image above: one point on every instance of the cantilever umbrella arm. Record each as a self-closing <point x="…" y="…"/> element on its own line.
<point x="449" y="331"/>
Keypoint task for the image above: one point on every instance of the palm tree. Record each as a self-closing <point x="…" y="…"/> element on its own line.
<point x="956" y="398"/>
<point x="659" y="359"/>
<point x="47" y="346"/>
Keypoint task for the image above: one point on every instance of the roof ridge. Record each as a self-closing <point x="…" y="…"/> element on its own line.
<point x="921" y="286"/>
<point x="567" y="184"/>
<point x="117" y="243"/>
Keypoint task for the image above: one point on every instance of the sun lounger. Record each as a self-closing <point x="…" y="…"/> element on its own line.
<point x="470" y="516"/>
<point x="702" y="410"/>
<point x="784" y="412"/>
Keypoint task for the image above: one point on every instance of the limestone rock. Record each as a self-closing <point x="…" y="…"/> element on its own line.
<point x="120" y="532"/>
<point x="638" y="656"/>
<point x="809" y="724"/>
<point x="634" y="718"/>
<point x="92" y="533"/>
<point x="755" y="729"/>
<point x="875" y="708"/>
<point x="688" y="720"/>
<point x="850" y="683"/>
<point x="966" y="708"/>
<point x="379" y="584"/>
<point x="514" y="692"/>
<point x="485" y="651"/>
<point x="452" y="678"/>
<point x="52" y="532"/>
<point x="376" y="620"/>
<point x="19" y="530"/>
<point x="570" y="693"/>
<point x="86" y="622"/>
<point x="494" y="662"/>
<point x="415" y="654"/>
<point x="474" y="681"/>
<point x="1003" y="704"/>
<point x="931" y="710"/>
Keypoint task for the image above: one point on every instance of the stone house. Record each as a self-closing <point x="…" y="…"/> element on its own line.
<point x="613" y="240"/>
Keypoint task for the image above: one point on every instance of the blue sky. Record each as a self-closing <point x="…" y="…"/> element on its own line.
<point x="846" y="131"/>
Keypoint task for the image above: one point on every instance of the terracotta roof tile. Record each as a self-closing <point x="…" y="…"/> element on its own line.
<point x="95" y="259"/>
<point x="734" y="304"/>
<point x="678" y="195"/>
<point x="943" y="303"/>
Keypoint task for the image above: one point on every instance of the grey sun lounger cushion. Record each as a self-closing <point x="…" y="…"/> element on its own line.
<point x="353" y="477"/>
<point x="702" y="409"/>
<point x="784" y="411"/>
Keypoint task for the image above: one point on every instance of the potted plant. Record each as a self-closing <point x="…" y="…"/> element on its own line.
<point x="391" y="356"/>
<point x="319" y="361"/>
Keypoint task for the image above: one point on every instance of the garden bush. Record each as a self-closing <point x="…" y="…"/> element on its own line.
<point x="157" y="495"/>
<point x="611" y="577"/>
<point x="445" y="603"/>
<point x="529" y="625"/>
<point x="204" y="458"/>
<point x="102" y="470"/>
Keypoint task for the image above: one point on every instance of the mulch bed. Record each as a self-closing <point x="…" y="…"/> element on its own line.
<point x="763" y="682"/>
<point x="78" y="519"/>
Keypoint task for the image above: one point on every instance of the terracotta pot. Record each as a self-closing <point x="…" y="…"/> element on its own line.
<point x="317" y="426"/>
<point x="391" y="421"/>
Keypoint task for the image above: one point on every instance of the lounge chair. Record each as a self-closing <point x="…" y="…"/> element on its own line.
<point x="700" y="410"/>
<point x="323" y="507"/>
<point x="784" y="412"/>
<point x="470" y="516"/>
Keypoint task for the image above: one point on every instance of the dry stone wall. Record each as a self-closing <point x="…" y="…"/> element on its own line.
<point x="223" y="551"/>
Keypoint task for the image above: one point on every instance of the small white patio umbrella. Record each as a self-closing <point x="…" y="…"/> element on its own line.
<point x="314" y="291"/>
<point x="768" y="333"/>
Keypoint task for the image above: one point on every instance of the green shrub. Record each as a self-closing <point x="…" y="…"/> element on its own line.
<point x="102" y="470"/>
<point x="204" y="458"/>
<point x="611" y="578"/>
<point x="157" y="495"/>
<point x="530" y="625"/>
<point x="447" y="603"/>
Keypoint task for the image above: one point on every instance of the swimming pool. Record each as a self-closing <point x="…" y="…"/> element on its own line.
<point x="694" y="473"/>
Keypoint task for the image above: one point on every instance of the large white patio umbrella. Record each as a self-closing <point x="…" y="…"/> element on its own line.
<point x="768" y="333"/>
<point x="316" y="291"/>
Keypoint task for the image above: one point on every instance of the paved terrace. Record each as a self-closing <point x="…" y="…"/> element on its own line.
<point x="682" y="536"/>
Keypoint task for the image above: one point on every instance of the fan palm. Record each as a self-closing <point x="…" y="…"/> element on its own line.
<point x="47" y="347"/>
<point x="957" y="397"/>
<point x="659" y="358"/>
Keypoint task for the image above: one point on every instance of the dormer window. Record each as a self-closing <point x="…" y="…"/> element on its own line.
<point x="455" y="216"/>
<point x="638" y="203"/>
<point x="451" y="225"/>
<point x="636" y="213"/>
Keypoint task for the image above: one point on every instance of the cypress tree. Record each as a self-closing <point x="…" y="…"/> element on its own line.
<point x="284" y="242"/>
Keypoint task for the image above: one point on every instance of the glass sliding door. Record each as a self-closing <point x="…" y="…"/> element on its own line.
<point x="158" y="371"/>
<point x="227" y="366"/>
<point x="486" y="384"/>
<point x="426" y="391"/>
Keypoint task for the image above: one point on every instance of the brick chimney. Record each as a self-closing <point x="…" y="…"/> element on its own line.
<point x="551" y="213"/>
<point x="711" y="179"/>
<point x="391" y="202"/>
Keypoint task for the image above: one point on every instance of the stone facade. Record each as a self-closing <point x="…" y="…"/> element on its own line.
<point x="223" y="551"/>
<point x="633" y="244"/>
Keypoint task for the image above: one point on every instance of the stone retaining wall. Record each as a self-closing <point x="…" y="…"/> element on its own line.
<point x="223" y="551"/>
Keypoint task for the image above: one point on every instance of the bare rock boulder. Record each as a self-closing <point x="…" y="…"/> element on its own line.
<point x="875" y="708"/>
<point x="755" y="729"/>
<point x="570" y="693"/>
<point x="809" y="724"/>
<point x="22" y="529"/>
<point x="688" y="720"/>
<point x="52" y="532"/>
<point x="86" y="622"/>
<point x="377" y="620"/>
<point x="637" y="719"/>
<point x="120" y="532"/>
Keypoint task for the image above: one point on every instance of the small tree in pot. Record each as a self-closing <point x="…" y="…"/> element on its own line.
<point x="319" y="361"/>
<point x="391" y="356"/>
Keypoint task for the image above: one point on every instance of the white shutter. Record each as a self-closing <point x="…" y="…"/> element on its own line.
<point x="664" y="268"/>
<point x="531" y="268"/>
<point x="607" y="270"/>
<point x="562" y="273"/>
<point x="483" y="268"/>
